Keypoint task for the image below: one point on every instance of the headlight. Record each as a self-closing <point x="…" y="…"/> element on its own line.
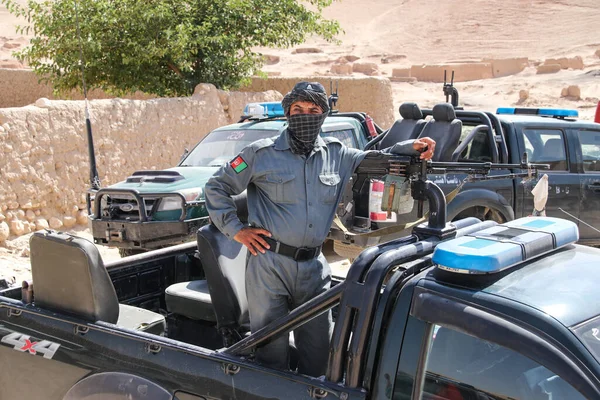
<point x="174" y="202"/>
<point x="192" y="194"/>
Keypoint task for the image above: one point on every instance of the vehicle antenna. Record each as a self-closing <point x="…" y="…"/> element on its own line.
<point x="94" y="179"/>
<point x="333" y="97"/>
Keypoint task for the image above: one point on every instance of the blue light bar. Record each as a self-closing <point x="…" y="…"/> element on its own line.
<point x="543" y="112"/>
<point x="503" y="246"/>
<point x="264" y="110"/>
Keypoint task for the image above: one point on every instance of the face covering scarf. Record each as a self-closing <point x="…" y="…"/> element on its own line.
<point x="304" y="130"/>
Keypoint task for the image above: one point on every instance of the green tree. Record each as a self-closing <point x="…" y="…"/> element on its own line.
<point x="164" y="47"/>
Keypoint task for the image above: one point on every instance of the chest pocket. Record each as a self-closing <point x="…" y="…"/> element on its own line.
<point x="280" y="187"/>
<point x="328" y="187"/>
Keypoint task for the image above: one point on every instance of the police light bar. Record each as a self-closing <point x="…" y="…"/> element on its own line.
<point x="264" y="110"/>
<point x="543" y="112"/>
<point x="503" y="246"/>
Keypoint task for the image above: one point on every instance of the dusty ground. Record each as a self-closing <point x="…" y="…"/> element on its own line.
<point x="398" y="34"/>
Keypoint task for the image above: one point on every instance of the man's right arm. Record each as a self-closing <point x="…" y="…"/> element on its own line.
<point x="231" y="179"/>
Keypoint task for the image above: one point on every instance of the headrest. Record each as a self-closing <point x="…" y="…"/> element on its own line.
<point x="444" y="112"/>
<point x="69" y="276"/>
<point x="554" y="147"/>
<point x="410" y="110"/>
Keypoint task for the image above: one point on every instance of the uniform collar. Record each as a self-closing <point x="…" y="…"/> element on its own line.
<point x="282" y="142"/>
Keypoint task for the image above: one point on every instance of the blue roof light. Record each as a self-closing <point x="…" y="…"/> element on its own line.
<point x="544" y="112"/>
<point x="264" y="110"/>
<point x="495" y="249"/>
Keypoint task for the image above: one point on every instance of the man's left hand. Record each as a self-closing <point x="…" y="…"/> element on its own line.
<point x="426" y="146"/>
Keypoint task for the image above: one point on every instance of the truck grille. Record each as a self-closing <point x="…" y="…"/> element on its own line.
<point x="124" y="208"/>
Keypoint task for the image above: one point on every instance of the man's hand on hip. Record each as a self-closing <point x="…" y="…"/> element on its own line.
<point x="426" y="146"/>
<point x="252" y="238"/>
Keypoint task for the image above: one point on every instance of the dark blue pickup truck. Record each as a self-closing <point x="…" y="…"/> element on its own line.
<point x="571" y="147"/>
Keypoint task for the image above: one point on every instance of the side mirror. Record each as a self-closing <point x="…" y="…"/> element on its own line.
<point x="185" y="153"/>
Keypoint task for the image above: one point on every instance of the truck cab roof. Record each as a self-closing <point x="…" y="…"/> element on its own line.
<point x="276" y="124"/>
<point x="562" y="284"/>
<point x="545" y="121"/>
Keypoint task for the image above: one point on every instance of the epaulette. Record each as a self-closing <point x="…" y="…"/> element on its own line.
<point x="331" y="139"/>
<point x="262" y="143"/>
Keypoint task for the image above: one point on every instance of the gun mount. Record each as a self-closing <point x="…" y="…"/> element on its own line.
<point x="415" y="171"/>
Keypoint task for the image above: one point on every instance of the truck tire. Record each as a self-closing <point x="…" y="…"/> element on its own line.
<point x="347" y="250"/>
<point x="130" y="252"/>
<point x="482" y="213"/>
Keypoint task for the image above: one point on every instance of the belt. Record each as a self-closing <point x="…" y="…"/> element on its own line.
<point x="297" y="253"/>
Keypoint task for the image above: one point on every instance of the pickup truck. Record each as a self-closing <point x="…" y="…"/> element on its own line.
<point x="154" y="209"/>
<point x="571" y="148"/>
<point x="464" y="310"/>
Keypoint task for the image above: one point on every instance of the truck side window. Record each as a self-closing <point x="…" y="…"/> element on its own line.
<point x="345" y="136"/>
<point x="546" y="146"/>
<point x="478" y="149"/>
<point x="590" y="149"/>
<point x="460" y="366"/>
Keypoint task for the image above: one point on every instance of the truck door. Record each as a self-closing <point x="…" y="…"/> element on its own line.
<point x="589" y="148"/>
<point x="464" y="360"/>
<point x="549" y="146"/>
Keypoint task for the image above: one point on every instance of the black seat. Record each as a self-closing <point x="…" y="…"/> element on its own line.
<point x="224" y="263"/>
<point x="445" y="129"/>
<point x="69" y="276"/>
<point x="408" y="127"/>
<point x="221" y="298"/>
<point x="554" y="154"/>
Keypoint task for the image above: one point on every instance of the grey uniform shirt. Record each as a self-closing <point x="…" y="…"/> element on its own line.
<point x="292" y="196"/>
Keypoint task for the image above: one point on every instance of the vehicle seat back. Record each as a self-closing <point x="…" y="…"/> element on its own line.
<point x="69" y="276"/>
<point x="408" y="127"/>
<point x="224" y="263"/>
<point x="554" y="153"/>
<point x="445" y="129"/>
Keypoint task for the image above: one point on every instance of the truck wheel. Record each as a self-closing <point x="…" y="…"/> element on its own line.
<point x="130" y="252"/>
<point x="346" y="250"/>
<point x="482" y="213"/>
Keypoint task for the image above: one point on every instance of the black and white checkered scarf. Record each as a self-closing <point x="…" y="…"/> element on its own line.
<point x="303" y="131"/>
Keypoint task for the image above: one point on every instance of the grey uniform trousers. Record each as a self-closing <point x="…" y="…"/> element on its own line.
<point x="277" y="284"/>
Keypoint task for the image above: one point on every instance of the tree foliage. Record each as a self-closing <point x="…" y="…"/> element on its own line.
<point x="164" y="47"/>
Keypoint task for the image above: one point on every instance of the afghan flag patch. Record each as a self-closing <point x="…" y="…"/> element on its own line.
<point x="238" y="164"/>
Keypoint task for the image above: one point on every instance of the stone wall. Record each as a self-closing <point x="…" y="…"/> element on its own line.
<point x="371" y="95"/>
<point x="20" y="87"/>
<point x="44" y="167"/>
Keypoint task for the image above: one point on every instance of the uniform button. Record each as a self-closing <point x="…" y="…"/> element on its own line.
<point x="310" y="226"/>
<point x="307" y="182"/>
<point x="310" y="203"/>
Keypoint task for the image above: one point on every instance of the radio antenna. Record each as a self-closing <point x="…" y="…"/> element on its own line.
<point x="94" y="179"/>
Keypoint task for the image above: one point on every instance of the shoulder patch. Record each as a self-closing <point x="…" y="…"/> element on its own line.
<point x="238" y="164"/>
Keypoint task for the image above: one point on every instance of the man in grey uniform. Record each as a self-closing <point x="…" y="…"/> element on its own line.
<point x="294" y="184"/>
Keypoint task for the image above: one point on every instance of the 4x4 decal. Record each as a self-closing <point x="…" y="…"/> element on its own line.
<point x="24" y="343"/>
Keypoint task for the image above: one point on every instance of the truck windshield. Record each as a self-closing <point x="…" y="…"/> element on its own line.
<point x="220" y="146"/>
<point x="589" y="334"/>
